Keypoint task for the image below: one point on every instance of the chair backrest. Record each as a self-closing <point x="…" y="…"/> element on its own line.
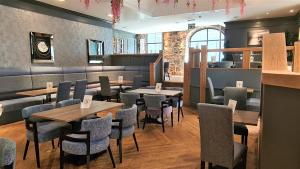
<point x="129" y="99"/>
<point x="28" y="111"/>
<point x="137" y="82"/>
<point x="210" y="87"/>
<point x="128" y="116"/>
<point x="154" y="101"/>
<point x="216" y="130"/>
<point x="100" y="128"/>
<point x="79" y="91"/>
<point x="238" y="94"/>
<point x="105" y="86"/>
<point x="70" y="102"/>
<point x="63" y="91"/>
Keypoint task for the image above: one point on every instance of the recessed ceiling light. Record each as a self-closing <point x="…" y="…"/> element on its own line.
<point x="267" y="13"/>
<point x="110" y="15"/>
<point x="292" y="11"/>
<point x="60" y="0"/>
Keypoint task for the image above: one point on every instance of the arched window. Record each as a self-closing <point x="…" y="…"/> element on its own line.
<point x="213" y="38"/>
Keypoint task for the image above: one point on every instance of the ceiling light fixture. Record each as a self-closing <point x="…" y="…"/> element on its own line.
<point x="60" y="0"/>
<point x="267" y="13"/>
<point x="292" y="11"/>
<point x="110" y="15"/>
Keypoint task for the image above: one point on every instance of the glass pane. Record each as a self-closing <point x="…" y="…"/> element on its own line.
<point x="151" y="38"/>
<point x="221" y="56"/>
<point x="158" y="37"/>
<point x="222" y="44"/>
<point x="213" y="45"/>
<point x="198" y="44"/>
<point x="213" y="34"/>
<point x="222" y="36"/>
<point x="151" y="48"/>
<point x="158" y="47"/>
<point x="200" y="35"/>
<point x="213" y="57"/>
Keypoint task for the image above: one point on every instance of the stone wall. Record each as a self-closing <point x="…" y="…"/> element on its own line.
<point x="174" y="50"/>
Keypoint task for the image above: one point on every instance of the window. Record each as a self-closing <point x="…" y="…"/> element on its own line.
<point x="154" y="42"/>
<point x="213" y="38"/>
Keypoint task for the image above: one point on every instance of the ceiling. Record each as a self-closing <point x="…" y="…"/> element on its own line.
<point x="152" y="17"/>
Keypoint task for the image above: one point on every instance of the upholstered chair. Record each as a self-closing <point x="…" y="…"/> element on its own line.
<point x="157" y="106"/>
<point x="106" y="91"/>
<point x="7" y="153"/>
<point x="129" y="99"/>
<point x="214" y="99"/>
<point x="177" y="101"/>
<point x="40" y="130"/>
<point x="79" y="90"/>
<point x="216" y="133"/>
<point x="123" y="126"/>
<point x="91" y="139"/>
<point x="63" y="91"/>
<point x="240" y="95"/>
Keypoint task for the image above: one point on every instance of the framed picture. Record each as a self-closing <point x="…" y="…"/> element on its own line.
<point x="95" y="51"/>
<point x="42" y="50"/>
<point x="255" y="37"/>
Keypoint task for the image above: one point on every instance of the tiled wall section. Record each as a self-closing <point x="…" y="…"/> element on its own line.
<point x="174" y="50"/>
<point x="69" y="37"/>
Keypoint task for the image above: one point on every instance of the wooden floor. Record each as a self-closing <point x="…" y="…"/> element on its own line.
<point x="177" y="148"/>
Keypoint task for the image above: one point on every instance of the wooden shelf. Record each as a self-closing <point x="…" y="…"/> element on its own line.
<point x="281" y="78"/>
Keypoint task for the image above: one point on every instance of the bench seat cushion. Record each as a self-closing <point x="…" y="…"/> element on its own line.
<point x="19" y="104"/>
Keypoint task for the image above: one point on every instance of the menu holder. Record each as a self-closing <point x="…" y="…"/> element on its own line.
<point x="251" y="59"/>
<point x="158" y="87"/>
<point x="1" y="109"/>
<point x="49" y="85"/>
<point x="120" y="79"/>
<point x="87" y="102"/>
<point x="232" y="105"/>
<point x="239" y="84"/>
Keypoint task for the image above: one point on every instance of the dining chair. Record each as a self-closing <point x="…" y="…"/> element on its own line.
<point x="93" y="138"/>
<point x="7" y="153"/>
<point x="130" y="99"/>
<point x="217" y="142"/>
<point x="214" y="99"/>
<point x="137" y="82"/>
<point x="240" y="95"/>
<point x="123" y="126"/>
<point x="40" y="130"/>
<point x="79" y="90"/>
<point x="157" y="106"/>
<point x="106" y="90"/>
<point x="177" y="100"/>
<point x="63" y="91"/>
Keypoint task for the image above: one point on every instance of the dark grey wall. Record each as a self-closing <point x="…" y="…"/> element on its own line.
<point x="236" y="33"/>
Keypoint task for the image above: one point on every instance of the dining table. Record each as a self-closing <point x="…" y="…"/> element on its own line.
<point x="75" y="112"/>
<point x="39" y="92"/>
<point x="249" y="90"/>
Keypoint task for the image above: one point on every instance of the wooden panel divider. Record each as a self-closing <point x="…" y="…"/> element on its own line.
<point x="246" y="59"/>
<point x="187" y="78"/>
<point x="297" y="57"/>
<point x="203" y="67"/>
<point x="152" y="69"/>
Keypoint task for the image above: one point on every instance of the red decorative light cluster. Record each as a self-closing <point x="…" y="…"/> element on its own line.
<point x="116" y="5"/>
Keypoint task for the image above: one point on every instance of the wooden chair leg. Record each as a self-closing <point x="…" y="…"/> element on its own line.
<point x="88" y="157"/>
<point x="181" y="109"/>
<point x="145" y="120"/>
<point x="111" y="156"/>
<point x="245" y="159"/>
<point x="246" y="140"/>
<point x="137" y="119"/>
<point x="172" y="118"/>
<point x="26" y="149"/>
<point x="163" y="122"/>
<point x="37" y="153"/>
<point x="242" y="139"/>
<point x="135" y="141"/>
<point x="120" y="150"/>
<point x="202" y="164"/>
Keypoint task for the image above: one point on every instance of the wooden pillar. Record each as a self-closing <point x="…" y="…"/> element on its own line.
<point x="187" y="79"/>
<point x="203" y="67"/>
<point x="297" y="57"/>
<point x="152" y="74"/>
<point x="274" y="52"/>
<point x="246" y="59"/>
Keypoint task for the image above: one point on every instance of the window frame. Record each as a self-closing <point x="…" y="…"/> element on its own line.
<point x="155" y="43"/>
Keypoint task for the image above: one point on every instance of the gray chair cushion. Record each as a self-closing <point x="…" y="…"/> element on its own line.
<point x="7" y="152"/>
<point x="80" y="148"/>
<point x="47" y="131"/>
<point x="125" y="132"/>
<point x="19" y="104"/>
<point x="217" y="100"/>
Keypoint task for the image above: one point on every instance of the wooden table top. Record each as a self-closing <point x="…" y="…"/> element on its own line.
<point x="246" y="117"/>
<point x="74" y="112"/>
<point x="153" y="92"/>
<point x="124" y="82"/>
<point x="38" y="92"/>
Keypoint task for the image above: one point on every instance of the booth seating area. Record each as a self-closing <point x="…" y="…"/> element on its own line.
<point x="14" y="80"/>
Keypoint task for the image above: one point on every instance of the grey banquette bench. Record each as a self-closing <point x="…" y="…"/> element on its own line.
<point x="13" y="80"/>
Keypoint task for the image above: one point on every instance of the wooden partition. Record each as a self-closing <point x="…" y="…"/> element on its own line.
<point x="153" y="69"/>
